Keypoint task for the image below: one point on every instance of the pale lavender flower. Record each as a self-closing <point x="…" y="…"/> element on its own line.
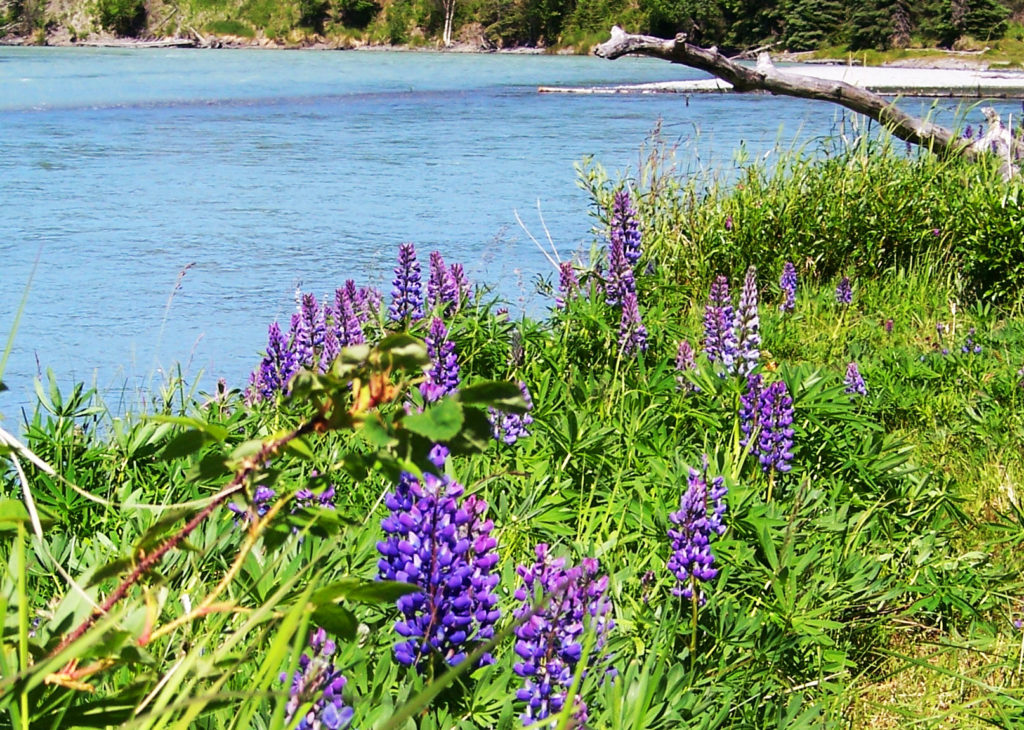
<point x="442" y="289"/>
<point x="701" y="509"/>
<point x="308" y="332"/>
<point x="748" y="325"/>
<point x="462" y="285"/>
<point x="621" y="279"/>
<point x="685" y="361"/>
<point x="568" y="284"/>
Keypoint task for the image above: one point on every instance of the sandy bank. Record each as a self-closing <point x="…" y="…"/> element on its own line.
<point x="887" y="80"/>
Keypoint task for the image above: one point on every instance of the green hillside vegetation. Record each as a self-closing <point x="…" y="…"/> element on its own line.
<point x="733" y="25"/>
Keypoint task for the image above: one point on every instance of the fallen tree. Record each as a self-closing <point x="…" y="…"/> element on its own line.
<point x="765" y="77"/>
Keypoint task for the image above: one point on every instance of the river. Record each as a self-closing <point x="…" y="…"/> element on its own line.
<point x="258" y="172"/>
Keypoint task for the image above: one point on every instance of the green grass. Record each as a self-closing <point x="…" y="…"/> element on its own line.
<point x="231" y="27"/>
<point x="874" y="584"/>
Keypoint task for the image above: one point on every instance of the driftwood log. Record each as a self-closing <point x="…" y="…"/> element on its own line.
<point x="765" y="77"/>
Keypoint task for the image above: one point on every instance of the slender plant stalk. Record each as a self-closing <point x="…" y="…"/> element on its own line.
<point x="151" y="560"/>
<point x="22" y="620"/>
<point x="694" y="608"/>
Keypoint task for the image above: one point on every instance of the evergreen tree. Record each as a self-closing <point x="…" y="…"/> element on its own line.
<point x="813" y="23"/>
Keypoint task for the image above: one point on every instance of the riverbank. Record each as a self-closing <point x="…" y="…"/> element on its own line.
<point x="886" y="80"/>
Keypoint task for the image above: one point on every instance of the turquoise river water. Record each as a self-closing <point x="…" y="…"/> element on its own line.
<point x="266" y="171"/>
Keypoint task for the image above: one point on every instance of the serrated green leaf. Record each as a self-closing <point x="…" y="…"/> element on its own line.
<point x="440" y="421"/>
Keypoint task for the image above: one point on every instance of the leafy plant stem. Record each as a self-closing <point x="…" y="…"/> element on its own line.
<point x="22" y="621"/>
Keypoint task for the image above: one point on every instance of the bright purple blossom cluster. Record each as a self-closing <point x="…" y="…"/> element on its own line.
<point x="844" y="292"/>
<point x="443" y="375"/>
<point x="262" y="498"/>
<point x="787" y="283"/>
<point x="970" y="347"/>
<point x="510" y="427"/>
<point x="550" y="640"/>
<point x="442" y="543"/>
<point x="406" y="292"/>
<point x="316" y="688"/>
<point x="854" y="381"/>
<point x="719" y="326"/>
<point x="314" y="340"/>
<point x="767" y="413"/>
<point x="701" y="509"/>
<point x="443" y="291"/>
<point x="621" y="278"/>
<point x="748" y="325"/>
<point x="625" y="227"/>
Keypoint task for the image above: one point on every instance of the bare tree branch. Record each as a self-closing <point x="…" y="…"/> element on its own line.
<point x="765" y="77"/>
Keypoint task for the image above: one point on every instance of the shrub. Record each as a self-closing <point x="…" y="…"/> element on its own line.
<point x="122" y="17"/>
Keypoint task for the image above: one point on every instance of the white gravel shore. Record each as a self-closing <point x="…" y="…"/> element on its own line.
<point x="887" y="80"/>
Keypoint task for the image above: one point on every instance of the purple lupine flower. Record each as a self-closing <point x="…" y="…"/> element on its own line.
<point x="750" y="411"/>
<point x="970" y="346"/>
<point x="701" y="509"/>
<point x="774" y="447"/>
<point x="259" y="505"/>
<point x="445" y="547"/>
<point x="748" y="325"/>
<point x="443" y="375"/>
<point x="368" y="303"/>
<point x="568" y="283"/>
<point x="318" y="685"/>
<point x="888" y="326"/>
<point x="621" y="279"/>
<point x="968" y="133"/>
<point x="853" y="380"/>
<point x="844" y="292"/>
<point x="332" y="348"/>
<point x="306" y="497"/>
<point x="510" y="427"/>
<point x="625" y="227"/>
<point x="728" y="222"/>
<point x="462" y="285"/>
<point x="348" y="324"/>
<point x="632" y="333"/>
<point x="406" y="294"/>
<point x="550" y="642"/>
<point x="275" y="370"/>
<point x="308" y="332"/>
<point x="442" y="289"/>
<point x="719" y="331"/>
<point x="685" y="361"/>
<point x="787" y="283"/>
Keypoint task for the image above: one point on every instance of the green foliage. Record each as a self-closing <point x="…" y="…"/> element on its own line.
<point x="122" y="17"/>
<point x="894" y="535"/>
<point x="231" y="27"/>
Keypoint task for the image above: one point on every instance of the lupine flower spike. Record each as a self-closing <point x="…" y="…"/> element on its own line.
<point x="699" y="519"/>
<point x="844" y="292"/>
<point x="406" y="294"/>
<point x="748" y="325"/>
<point x="442" y="289"/>
<point x="787" y="283"/>
<point x="551" y="640"/>
<point x="632" y="333"/>
<point x="853" y="381"/>
<point x="568" y="284"/>
<point x="719" y="333"/>
<point x="685" y="361"/>
<point x="316" y="687"/>
<point x="442" y="543"/>
<point x="620" y="279"/>
<point x="510" y="427"/>
<point x="625" y="227"/>
<point x="348" y="324"/>
<point x="767" y="413"/>
<point x="443" y="375"/>
<point x="275" y="370"/>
